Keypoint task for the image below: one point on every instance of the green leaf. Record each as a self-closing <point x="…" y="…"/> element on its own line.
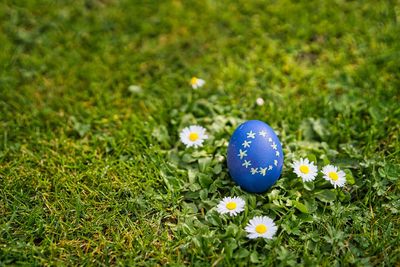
<point x="376" y="113"/>
<point x="230" y="245"/>
<point x="326" y="195"/>
<point x="161" y="134"/>
<point x="254" y="257"/>
<point x="381" y="172"/>
<point x="192" y="175"/>
<point x="251" y="201"/>
<point x="242" y="253"/>
<point x="349" y="177"/>
<point x="390" y="171"/>
<point x="188" y="229"/>
<point x="217" y="169"/>
<point x="204" y="180"/>
<point x="191" y="207"/>
<point x="192" y="195"/>
<point x="79" y="127"/>
<point x="272" y="206"/>
<point x="344" y="196"/>
<point x="204" y="163"/>
<point x="320" y="127"/>
<point x="274" y="194"/>
<point x="326" y="161"/>
<point x="204" y="194"/>
<point x="172" y="183"/>
<point x="213" y="218"/>
<point x="187" y="158"/>
<point x="194" y="187"/>
<point x="231" y="230"/>
<point x="197" y="241"/>
<point x="199" y="154"/>
<point x="312" y="157"/>
<point x="309" y="186"/>
<point x="300" y="206"/>
<point x="311" y="204"/>
<point x="305" y="218"/>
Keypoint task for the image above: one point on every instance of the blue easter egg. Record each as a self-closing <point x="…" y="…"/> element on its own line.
<point x="255" y="157"/>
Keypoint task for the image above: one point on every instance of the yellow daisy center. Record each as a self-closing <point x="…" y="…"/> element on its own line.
<point x="304" y="169"/>
<point x="231" y="205"/>
<point x="193" y="81"/>
<point x="333" y="175"/>
<point x="193" y="136"/>
<point x="261" y="228"/>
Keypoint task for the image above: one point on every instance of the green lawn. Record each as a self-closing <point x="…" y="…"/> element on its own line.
<point x="93" y="95"/>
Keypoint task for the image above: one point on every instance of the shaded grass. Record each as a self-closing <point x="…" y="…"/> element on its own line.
<point x="81" y="156"/>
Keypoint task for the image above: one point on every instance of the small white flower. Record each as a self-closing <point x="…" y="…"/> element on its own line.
<point x="193" y="136"/>
<point x="135" y="89"/>
<point x="231" y="205"/>
<point x="261" y="226"/>
<point x="274" y="146"/>
<point x="263" y="133"/>
<point x="263" y="171"/>
<point x="246" y="163"/>
<point x="246" y="143"/>
<point x="254" y="171"/>
<point x="242" y="153"/>
<point x="197" y="82"/>
<point x="260" y="101"/>
<point x="251" y="135"/>
<point x="305" y="169"/>
<point x="333" y="175"/>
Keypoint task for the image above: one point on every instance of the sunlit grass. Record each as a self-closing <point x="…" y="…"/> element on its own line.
<point x="93" y="96"/>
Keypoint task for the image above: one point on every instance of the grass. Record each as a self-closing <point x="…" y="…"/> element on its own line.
<point x="92" y="171"/>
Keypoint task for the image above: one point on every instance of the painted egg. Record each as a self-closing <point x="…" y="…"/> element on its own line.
<point x="255" y="156"/>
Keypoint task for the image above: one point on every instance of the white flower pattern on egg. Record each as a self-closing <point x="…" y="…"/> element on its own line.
<point x="243" y="153"/>
<point x="251" y="135"/>
<point x="246" y="143"/>
<point x="255" y="156"/>
<point x="254" y="170"/>
<point x="246" y="163"/>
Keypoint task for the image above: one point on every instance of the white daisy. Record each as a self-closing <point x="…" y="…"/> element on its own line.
<point x="193" y="136"/>
<point x="305" y="169"/>
<point x="197" y="82"/>
<point x="333" y="175"/>
<point x="261" y="226"/>
<point x="260" y="101"/>
<point x="231" y="205"/>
